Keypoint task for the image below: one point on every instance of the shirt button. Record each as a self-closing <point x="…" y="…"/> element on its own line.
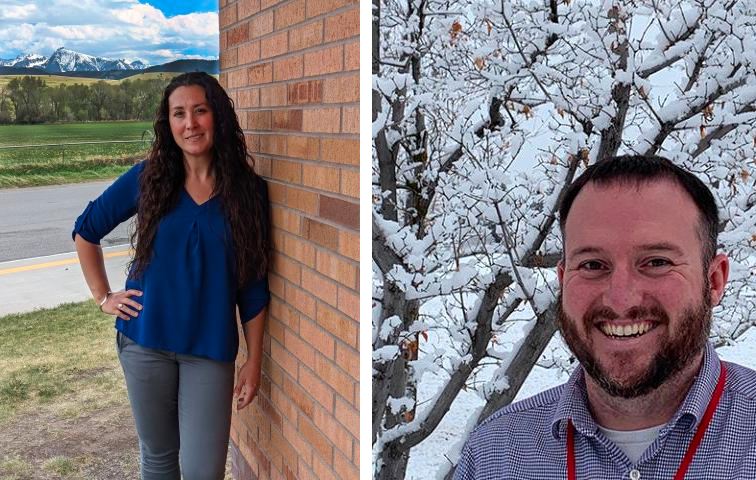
<point x="634" y="475"/>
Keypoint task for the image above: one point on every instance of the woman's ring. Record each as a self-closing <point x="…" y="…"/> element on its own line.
<point x="120" y="305"/>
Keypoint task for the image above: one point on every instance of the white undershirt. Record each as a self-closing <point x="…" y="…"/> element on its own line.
<point x="632" y="442"/>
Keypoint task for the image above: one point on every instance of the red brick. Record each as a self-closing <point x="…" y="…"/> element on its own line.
<point x="288" y="68"/>
<point x="342" y="151"/>
<point x="300" y="300"/>
<point x="229" y="58"/>
<point x="238" y="35"/>
<point x="259" y="120"/>
<point x="237" y="78"/>
<point x="349" y="302"/>
<point x="283" y="358"/>
<point x="274" y="45"/>
<point x="342" y="89"/>
<point x="262" y="165"/>
<point x="337" y="324"/>
<point x="319" y="442"/>
<point x="301" y="199"/>
<point x="310" y="91"/>
<point x="303" y="449"/>
<point x="327" y="60"/>
<point x="288" y="269"/>
<point x="350" y="183"/>
<point x="261" y="25"/>
<point x="348" y="417"/>
<point x="350" y="120"/>
<point x="341" y="212"/>
<point x="273" y="96"/>
<point x="316" y="388"/>
<point x="300" y="250"/>
<point x="276" y="330"/>
<point x="343" y="466"/>
<point x="320" y="339"/>
<point x="277" y="193"/>
<point x="306" y="36"/>
<point x="227" y="16"/>
<point x="307" y="148"/>
<point x="248" y="8"/>
<point x="287" y="120"/>
<point x="319" y="7"/>
<point x="352" y="56"/>
<point x="223" y="45"/>
<point x="283" y="404"/>
<point x="299" y="348"/>
<point x="290" y="172"/>
<point x="249" y="53"/>
<point x="349" y="359"/>
<point x="248" y="98"/>
<point x="324" y="235"/>
<point x="262" y="73"/>
<point x="299" y="397"/>
<point x="332" y="266"/>
<point x="349" y="245"/>
<point x="321" y="120"/>
<point x="290" y="14"/>
<point x="342" y="25"/>
<point x="270" y="413"/>
<point x="321" y="178"/>
<point x="335" y="377"/>
<point x="265" y="4"/>
<point x="321" y="471"/>
<point x="338" y="435"/>
<point x="325" y="289"/>
<point x="273" y="144"/>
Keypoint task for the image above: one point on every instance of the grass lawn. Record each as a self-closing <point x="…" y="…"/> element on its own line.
<point x="64" y="411"/>
<point x="51" y="165"/>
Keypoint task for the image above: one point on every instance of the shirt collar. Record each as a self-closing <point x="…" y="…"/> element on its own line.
<point x="574" y="401"/>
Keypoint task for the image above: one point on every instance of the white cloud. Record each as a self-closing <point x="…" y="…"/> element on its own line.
<point x="17" y="12"/>
<point x="109" y="28"/>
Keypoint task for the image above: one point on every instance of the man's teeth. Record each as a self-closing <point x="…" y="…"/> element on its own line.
<point x="625" y="330"/>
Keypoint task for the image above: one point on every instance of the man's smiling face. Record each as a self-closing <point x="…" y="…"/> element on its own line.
<point x="635" y="304"/>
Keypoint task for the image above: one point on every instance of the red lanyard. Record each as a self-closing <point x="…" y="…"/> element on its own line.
<point x="710" y="409"/>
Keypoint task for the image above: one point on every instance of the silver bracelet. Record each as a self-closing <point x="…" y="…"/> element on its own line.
<point x="107" y="295"/>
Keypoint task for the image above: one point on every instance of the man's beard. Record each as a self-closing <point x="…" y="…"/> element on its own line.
<point x="677" y="350"/>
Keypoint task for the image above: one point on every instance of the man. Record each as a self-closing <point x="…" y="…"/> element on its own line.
<point x="651" y="400"/>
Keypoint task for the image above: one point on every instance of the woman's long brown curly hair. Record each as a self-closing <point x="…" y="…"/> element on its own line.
<point x="236" y="183"/>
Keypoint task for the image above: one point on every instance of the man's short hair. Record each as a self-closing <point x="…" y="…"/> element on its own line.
<point x="639" y="170"/>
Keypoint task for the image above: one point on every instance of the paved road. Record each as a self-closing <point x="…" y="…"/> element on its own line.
<point x="45" y="282"/>
<point x="38" y="268"/>
<point x="38" y="221"/>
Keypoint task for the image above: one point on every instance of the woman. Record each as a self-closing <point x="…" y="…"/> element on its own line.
<point x="202" y="243"/>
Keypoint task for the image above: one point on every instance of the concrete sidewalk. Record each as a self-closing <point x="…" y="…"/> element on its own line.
<point x="45" y="282"/>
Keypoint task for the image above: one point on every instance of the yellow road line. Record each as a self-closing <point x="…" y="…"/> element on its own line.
<point x="57" y="263"/>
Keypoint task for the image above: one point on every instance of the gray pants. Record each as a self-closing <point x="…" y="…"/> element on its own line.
<point x="178" y="400"/>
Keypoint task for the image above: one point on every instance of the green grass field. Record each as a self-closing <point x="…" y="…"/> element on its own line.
<point x="55" y="80"/>
<point x="64" y="410"/>
<point x="50" y="165"/>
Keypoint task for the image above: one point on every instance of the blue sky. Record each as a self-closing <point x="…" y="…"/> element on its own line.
<point x="154" y="31"/>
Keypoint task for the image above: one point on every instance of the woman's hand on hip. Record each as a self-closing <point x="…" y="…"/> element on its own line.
<point x="247" y="384"/>
<point x="121" y="305"/>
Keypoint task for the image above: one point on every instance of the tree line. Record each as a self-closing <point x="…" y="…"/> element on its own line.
<point x="29" y="99"/>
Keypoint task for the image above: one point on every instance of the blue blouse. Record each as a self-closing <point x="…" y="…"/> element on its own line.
<point x="189" y="292"/>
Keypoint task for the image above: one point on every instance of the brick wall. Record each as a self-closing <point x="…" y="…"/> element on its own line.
<point x="292" y="69"/>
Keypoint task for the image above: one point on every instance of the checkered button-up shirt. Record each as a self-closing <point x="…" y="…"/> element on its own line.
<point x="528" y="439"/>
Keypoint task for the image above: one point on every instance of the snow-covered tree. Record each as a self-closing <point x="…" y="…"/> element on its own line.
<point x="483" y="113"/>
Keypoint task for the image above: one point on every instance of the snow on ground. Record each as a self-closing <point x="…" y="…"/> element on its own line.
<point x="429" y="456"/>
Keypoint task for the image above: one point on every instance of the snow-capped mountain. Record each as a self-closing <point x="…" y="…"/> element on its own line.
<point x="64" y="60"/>
<point x="29" y="60"/>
